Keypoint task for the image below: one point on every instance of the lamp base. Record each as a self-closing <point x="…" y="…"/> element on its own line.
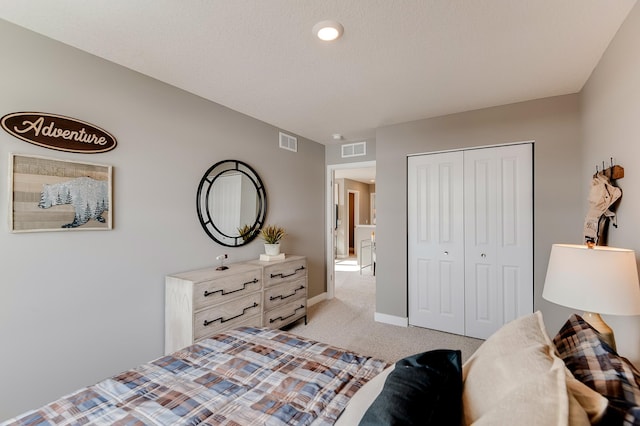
<point x="606" y="333"/>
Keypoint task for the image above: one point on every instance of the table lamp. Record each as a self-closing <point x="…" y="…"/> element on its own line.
<point x="595" y="279"/>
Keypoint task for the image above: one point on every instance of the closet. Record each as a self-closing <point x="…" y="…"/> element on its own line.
<point x="470" y="238"/>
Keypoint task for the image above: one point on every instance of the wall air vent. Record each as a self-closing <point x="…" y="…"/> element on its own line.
<point x="288" y="142"/>
<point x="357" y="149"/>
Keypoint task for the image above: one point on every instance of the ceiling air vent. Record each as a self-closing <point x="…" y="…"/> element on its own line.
<point x="288" y="142"/>
<point x="357" y="149"/>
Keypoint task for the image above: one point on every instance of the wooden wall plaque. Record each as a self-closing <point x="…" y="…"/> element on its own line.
<point x="58" y="132"/>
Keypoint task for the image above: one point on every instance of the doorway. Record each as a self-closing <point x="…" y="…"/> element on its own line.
<point x="347" y="209"/>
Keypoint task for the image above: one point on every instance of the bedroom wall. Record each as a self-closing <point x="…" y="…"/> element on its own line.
<point x="571" y="133"/>
<point x="333" y="154"/>
<point x="554" y="125"/>
<point x="611" y="128"/>
<point x="76" y="307"/>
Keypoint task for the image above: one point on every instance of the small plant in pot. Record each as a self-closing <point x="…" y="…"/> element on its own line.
<point x="246" y="232"/>
<point x="272" y="234"/>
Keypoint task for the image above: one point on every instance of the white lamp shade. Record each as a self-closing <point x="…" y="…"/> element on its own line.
<point x="601" y="279"/>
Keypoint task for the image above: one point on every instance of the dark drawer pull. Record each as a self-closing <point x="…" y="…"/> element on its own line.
<point x="271" y="321"/>
<point x="222" y="320"/>
<point x="224" y="293"/>
<point x="281" y="297"/>
<point x="281" y="275"/>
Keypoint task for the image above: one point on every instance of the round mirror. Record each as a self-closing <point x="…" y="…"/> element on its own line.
<point x="231" y="203"/>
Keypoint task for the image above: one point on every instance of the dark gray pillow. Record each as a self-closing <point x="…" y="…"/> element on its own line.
<point x="423" y="389"/>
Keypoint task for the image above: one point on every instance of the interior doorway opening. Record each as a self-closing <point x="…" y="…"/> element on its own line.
<point x="349" y="219"/>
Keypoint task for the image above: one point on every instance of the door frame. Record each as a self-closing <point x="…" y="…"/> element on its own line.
<point x="330" y="219"/>
<point x="351" y="227"/>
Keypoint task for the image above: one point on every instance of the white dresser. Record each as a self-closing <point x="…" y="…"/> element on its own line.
<point x="285" y="290"/>
<point x="203" y="302"/>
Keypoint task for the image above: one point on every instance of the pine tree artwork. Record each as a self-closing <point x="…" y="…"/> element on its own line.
<point x="89" y="197"/>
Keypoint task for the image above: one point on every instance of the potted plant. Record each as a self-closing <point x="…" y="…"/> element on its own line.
<point x="272" y="234"/>
<point x="246" y="232"/>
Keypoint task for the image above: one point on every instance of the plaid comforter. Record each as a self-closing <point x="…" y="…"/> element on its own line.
<point x="241" y="377"/>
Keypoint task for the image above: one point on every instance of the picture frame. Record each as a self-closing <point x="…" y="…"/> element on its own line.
<point x="47" y="194"/>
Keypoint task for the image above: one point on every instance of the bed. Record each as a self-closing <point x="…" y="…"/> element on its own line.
<point x="253" y="376"/>
<point x="239" y="377"/>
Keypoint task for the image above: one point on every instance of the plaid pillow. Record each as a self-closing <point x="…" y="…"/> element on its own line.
<point x="597" y="365"/>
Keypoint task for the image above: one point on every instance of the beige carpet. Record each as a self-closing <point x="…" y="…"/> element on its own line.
<point x="347" y="322"/>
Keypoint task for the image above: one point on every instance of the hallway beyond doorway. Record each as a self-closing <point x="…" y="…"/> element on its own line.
<point x="349" y="279"/>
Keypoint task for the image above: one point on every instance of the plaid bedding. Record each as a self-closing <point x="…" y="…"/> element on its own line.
<point x="245" y="376"/>
<point x="597" y="365"/>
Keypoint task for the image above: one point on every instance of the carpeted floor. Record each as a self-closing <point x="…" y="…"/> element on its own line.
<point x="347" y="322"/>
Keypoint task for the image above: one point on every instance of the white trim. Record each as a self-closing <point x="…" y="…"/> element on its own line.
<point x="391" y="319"/>
<point x="329" y="222"/>
<point x="317" y="299"/>
<point x="372" y="208"/>
<point x="473" y="147"/>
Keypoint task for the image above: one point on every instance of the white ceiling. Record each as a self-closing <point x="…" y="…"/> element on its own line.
<point x="399" y="60"/>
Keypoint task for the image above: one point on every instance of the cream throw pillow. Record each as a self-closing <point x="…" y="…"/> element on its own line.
<point x="515" y="377"/>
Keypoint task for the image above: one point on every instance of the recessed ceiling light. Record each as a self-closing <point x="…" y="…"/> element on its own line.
<point x="328" y="30"/>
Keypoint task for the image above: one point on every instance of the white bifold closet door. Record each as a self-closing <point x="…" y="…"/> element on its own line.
<point x="436" y="241"/>
<point x="470" y="238"/>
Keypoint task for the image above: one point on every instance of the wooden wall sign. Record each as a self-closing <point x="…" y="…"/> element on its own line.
<point x="58" y="132"/>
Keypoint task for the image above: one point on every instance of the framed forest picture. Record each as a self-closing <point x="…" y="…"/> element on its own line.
<point x="58" y="195"/>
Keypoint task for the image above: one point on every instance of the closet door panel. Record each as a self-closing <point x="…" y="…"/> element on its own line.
<point x="515" y="230"/>
<point x="435" y="242"/>
<point x="483" y="294"/>
<point x="481" y="286"/>
<point x="499" y="237"/>
<point x="512" y="289"/>
<point x="470" y="238"/>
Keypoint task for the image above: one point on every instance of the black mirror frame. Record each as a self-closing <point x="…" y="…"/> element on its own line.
<point x="202" y="204"/>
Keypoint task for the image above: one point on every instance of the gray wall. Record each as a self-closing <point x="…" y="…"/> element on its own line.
<point x="611" y="128"/>
<point x="78" y="307"/>
<point x="554" y="125"/>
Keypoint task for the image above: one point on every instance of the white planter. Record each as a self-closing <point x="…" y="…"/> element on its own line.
<point x="272" y="249"/>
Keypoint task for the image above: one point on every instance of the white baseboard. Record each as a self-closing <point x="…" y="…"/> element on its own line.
<point x="317" y="299"/>
<point x="391" y="319"/>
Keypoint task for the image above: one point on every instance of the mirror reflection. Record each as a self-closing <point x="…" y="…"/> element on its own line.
<point x="231" y="203"/>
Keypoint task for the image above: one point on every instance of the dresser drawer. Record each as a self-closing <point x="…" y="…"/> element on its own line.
<point x="285" y="314"/>
<point x="285" y="271"/>
<point x="203" y="302"/>
<point x="278" y="295"/>
<point x="254" y="321"/>
<point x="226" y="316"/>
<point x="219" y="290"/>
